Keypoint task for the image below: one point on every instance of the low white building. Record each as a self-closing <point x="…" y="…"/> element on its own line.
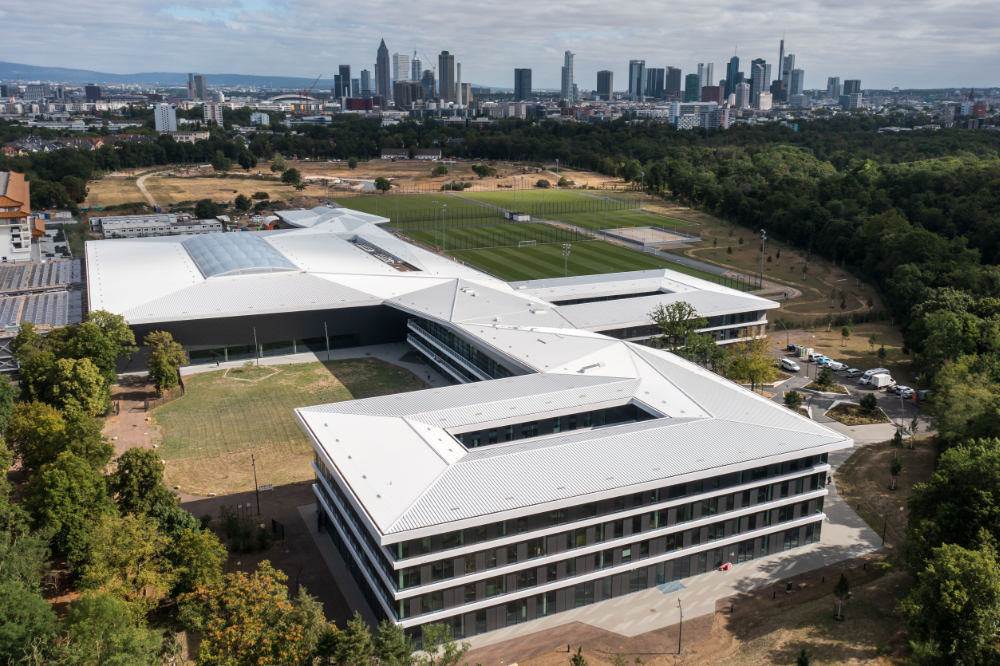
<point x="260" y="119"/>
<point x="159" y="224"/>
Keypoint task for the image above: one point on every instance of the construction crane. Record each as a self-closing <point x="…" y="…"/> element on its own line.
<point x="305" y="94"/>
<point x="433" y="69"/>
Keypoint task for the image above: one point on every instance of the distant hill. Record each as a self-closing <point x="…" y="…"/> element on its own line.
<point x="9" y="71"/>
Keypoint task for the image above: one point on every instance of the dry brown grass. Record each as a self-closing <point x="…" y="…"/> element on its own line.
<point x="175" y="190"/>
<point x="853" y="415"/>
<point x="113" y="192"/>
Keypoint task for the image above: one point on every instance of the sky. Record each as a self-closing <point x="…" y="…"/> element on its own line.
<point x="885" y="43"/>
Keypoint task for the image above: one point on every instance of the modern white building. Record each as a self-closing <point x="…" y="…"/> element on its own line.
<point x="213" y="112"/>
<point x="165" y="116"/>
<point x="400" y="67"/>
<point x="743" y="96"/>
<point x="260" y="119"/>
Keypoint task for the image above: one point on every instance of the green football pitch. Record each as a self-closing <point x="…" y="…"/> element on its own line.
<point x="409" y="208"/>
<point x="491" y="236"/>
<point x="619" y="218"/>
<point x="538" y="197"/>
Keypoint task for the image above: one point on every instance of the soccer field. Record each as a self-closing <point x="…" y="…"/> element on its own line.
<point x="618" y="218"/>
<point x="491" y="236"/>
<point x="538" y="197"/>
<point x="585" y="258"/>
<point x="418" y="208"/>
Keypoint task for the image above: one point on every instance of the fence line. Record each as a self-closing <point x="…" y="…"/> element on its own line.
<point x="488" y="214"/>
<point x="168" y="396"/>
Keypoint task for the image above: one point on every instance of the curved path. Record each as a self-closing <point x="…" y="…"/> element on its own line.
<point x="141" y="184"/>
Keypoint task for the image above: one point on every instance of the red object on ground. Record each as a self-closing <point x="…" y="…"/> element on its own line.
<point x="726" y="567"/>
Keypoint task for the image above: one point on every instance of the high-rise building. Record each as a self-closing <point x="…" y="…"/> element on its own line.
<point x="692" y="88"/>
<point x="605" y="84"/>
<point x="416" y="68"/>
<point x="656" y="82"/>
<point x="760" y="77"/>
<point x="446" y="76"/>
<point x="466" y="93"/>
<point x="427" y="80"/>
<point x="705" y="74"/>
<point x="522" y="85"/>
<point x="763" y="100"/>
<point x="712" y="94"/>
<point x="854" y="100"/>
<point x="4" y="91"/>
<point x="852" y="86"/>
<point x="734" y="76"/>
<point x="400" y="67"/>
<point x="833" y="88"/>
<point x="459" y="98"/>
<point x="797" y="82"/>
<point x="637" y="80"/>
<point x="213" y="113"/>
<point x="742" y="92"/>
<point x="197" y="87"/>
<point x="366" y="84"/>
<point x="165" y="116"/>
<point x="338" y="86"/>
<point x="566" y="90"/>
<point x="382" y="71"/>
<point x="345" y="80"/>
<point x="93" y="92"/>
<point x="402" y="94"/>
<point x="781" y="60"/>
<point x="673" y="82"/>
<point x="355" y="87"/>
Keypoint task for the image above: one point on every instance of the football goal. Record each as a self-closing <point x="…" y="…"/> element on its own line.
<point x="528" y="243"/>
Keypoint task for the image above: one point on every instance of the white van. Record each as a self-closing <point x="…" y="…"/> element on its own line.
<point x="866" y="377"/>
<point x="882" y="381"/>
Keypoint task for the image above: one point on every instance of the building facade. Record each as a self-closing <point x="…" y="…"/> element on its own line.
<point x="446" y="77"/>
<point x="15" y="217"/>
<point x="522" y="85"/>
<point x="382" y="86"/>
<point x="400" y="67"/>
<point x="567" y="88"/>
<point x="674" y="84"/>
<point x="165" y="117"/>
<point x="213" y="112"/>
<point x="656" y="82"/>
<point x="637" y="80"/>
<point x="706" y="74"/>
<point x="605" y="84"/>
<point x="692" y="91"/>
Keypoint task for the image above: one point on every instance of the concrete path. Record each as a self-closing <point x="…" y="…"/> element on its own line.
<point x="141" y="184"/>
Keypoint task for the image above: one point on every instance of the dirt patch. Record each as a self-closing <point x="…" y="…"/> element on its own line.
<point x="834" y="388"/>
<point x="252" y="373"/>
<point x="853" y="415"/>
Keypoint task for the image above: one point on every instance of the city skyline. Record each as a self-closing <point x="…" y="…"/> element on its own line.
<point x="849" y="40"/>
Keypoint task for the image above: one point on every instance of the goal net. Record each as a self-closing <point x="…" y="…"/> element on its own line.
<point x="530" y="243"/>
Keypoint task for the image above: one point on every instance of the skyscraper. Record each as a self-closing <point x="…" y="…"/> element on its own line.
<point x="692" y="88"/>
<point x="459" y="98"/>
<point x="733" y="75"/>
<point x="760" y="78"/>
<point x="345" y="79"/>
<point x="566" y="91"/>
<point x="605" y="84"/>
<point x="197" y="87"/>
<point x="427" y="80"/>
<point x="706" y="75"/>
<point x="742" y="91"/>
<point x="852" y="86"/>
<point x="382" y="71"/>
<point x="338" y="87"/>
<point x="522" y="85"/>
<point x="796" y="82"/>
<point x="366" y="84"/>
<point x="656" y="81"/>
<point x="673" y="83"/>
<point x="833" y="88"/>
<point x="781" y="60"/>
<point x="400" y="67"/>
<point x="165" y="116"/>
<point x="416" y="68"/>
<point x="637" y="80"/>
<point x="355" y="87"/>
<point x="446" y="76"/>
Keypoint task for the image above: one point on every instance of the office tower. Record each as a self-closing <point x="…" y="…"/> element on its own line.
<point x="705" y="75"/>
<point x="416" y="90"/>
<point x="428" y="82"/>
<point x="851" y="86"/>
<point x="636" y="80"/>
<point x="466" y="93"/>
<point x="345" y="80"/>
<point x="833" y="87"/>
<point x="402" y="95"/>
<point x="742" y="92"/>
<point x="605" y="84"/>
<point x="763" y="100"/>
<point x="673" y="83"/>
<point x="165" y="116"/>
<point x="338" y="86"/>
<point x="522" y="85"/>
<point x="733" y="75"/>
<point x="656" y="81"/>
<point x="781" y="59"/>
<point x="854" y="100"/>
<point x="400" y="67"/>
<point x="458" y="85"/>
<point x="355" y="87"/>
<point x="712" y="94"/>
<point x="566" y="91"/>
<point x="366" y="84"/>
<point x="797" y="82"/>
<point x="446" y="76"/>
<point x="191" y="94"/>
<point x="93" y="92"/>
<point x="760" y="77"/>
<point x="416" y="68"/>
<point x="692" y="89"/>
<point x="382" y="71"/>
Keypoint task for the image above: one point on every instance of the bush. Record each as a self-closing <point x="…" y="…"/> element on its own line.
<point x="456" y="186"/>
<point x="440" y="170"/>
<point x="563" y="182"/>
<point x="243" y="533"/>
<point x="869" y="403"/>
<point x="260" y="195"/>
<point x="352" y="162"/>
<point x="825" y="378"/>
<point x="543" y="183"/>
<point x="793" y="400"/>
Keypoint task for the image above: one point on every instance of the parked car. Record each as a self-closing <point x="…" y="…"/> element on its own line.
<point x="835" y="366"/>
<point x="815" y="356"/>
<point x="904" y="391"/>
<point x="852" y="372"/>
<point x="866" y="377"/>
<point x="789" y="364"/>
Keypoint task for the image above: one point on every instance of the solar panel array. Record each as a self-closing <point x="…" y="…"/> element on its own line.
<point x="41" y="275"/>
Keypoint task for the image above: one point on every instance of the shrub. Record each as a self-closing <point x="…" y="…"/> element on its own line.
<point x="543" y="183"/>
<point x="260" y="195"/>
<point x="869" y="403"/>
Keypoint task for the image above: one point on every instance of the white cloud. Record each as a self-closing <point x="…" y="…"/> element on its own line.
<point x="919" y="43"/>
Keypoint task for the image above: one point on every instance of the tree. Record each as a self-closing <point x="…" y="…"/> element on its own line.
<point x="802" y="659"/>
<point x="26" y="620"/>
<point x="954" y="609"/>
<point x="316" y="631"/>
<point x="729" y="250"/>
<point x="291" y="177"/>
<point x="826" y="379"/>
<point x="793" y="400"/>
<point x="206" y="209"/>
<point x="440" y="649"/>
<point x="75" y="386"/>
<point x="104" y="630"/>
<point x="441" y="170"/>
<point x="125" y="557"/>
<point x="843" y="304"/>
<point x="872" y="341"/>
<point x="895" y="469"/>
<point x="543" y="184"/>
<point x="260" y="195"/>
<point x="103" y="338"/>
<point x="777" y="257"/>
<point x="354" y="644"/>
<point x="67" y="496"/>
<point x="245" y="620"/>
<point x="882" y="353"/>
<point x="7" y="395"/>
<point x="751" y="361"/>
<point x="221" y="163"/>
<point x="26" y="342"/>
<point x="914" y="428"/>
<point x="352" y="162"/>
<point x="676" y="322"/>
<point x="845" y="333"/>
<point x="24" y="558"/>
<point x="137" y="484"/>
<point x="382" y="184"/>
<point x="197" y="557"/>
<point x="164" y="359"/>
<point x="563" y="182"/>
<point x="242" y="203"/>
<point x="38" y="433"/>
<point x="842" y="590"/>
<point x="869" y="403"/>
<point x="278" y="164"/>
<point x="391" y="645"/>
<point x="578" y="659"/>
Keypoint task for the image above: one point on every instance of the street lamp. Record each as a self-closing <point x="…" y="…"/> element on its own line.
<point x="444" y="233"/>
<point x="557" y="167"/>
<point x="642" y="187"/>
<point x="763" y="245"/>
<point x="565" y="253"/>
<point x="435" y="225"/>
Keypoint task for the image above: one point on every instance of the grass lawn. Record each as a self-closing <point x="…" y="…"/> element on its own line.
<point x="417" y="207"/>
<point x="491" y="236"/>
<point x="585" y="258"/>
<point x="177" y="189"/>
<point x="615" y="219"/>
<point x="210" y="433"/>
<point x="113" y="192"/>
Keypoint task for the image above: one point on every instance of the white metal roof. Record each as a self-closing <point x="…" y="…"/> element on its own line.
<point x="609" y="315"/>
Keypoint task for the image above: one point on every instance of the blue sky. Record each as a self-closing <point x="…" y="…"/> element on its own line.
<point x="915" y="43"/>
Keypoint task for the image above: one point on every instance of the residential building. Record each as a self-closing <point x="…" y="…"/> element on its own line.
<point x="734" y="76"/>
<point x="395" y="154"/>
<point x="566" y="90"/>
<point x="213" y="112"/>
<point x="637" y="80"/>
<point x="522" y="85"/>
<point x="93" y="92"/>
<point x="165" y="117"/>
<point x="712" y="94"/>
<point x="416" y="68"/>
<point x="382" y="86"/>
<point x="797" y="79"/>
<point x="673" y="82"/>
<point x="833" y="88"/>
<point x="366" y="84"/>
<point x="15" y="218"/>
<point x="188" y="137"/>
<point x="852" y="86"/>
<point x="692" y="93"/>
<point x="705" y="75"/>
<point x="719" y="118"/>
<point x="446" y="77"/>
<point x="259" y="118"/>
<point x="656" y="82"/>
<point x="605" y="84"/>
<point x="427" y="154"/>
<point x="742" y="93"/>
<point x="400" y="67"/>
